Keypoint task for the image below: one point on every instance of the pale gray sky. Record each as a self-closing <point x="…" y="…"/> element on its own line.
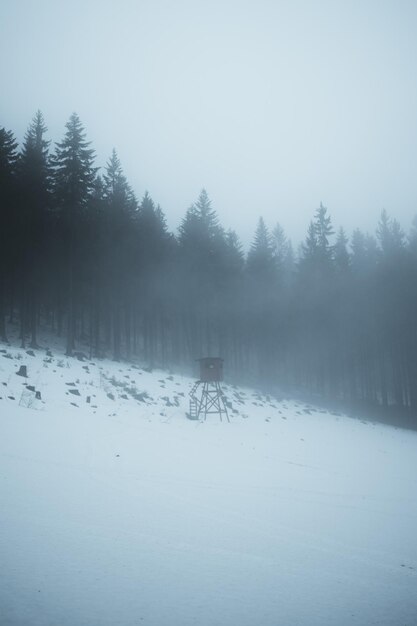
<point x="272" y="106"/>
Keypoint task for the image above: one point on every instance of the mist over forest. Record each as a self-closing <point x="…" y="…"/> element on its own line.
<point x="208" y="313"/>
<point x="83" y="257"/>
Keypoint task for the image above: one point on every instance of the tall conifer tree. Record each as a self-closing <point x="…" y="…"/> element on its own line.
<point x="74" y="181"/>
<point x="34" y="190"/>
<point x="8" y="159"/>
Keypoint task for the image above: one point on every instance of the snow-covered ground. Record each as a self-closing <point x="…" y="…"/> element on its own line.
<point x="117" y="510"/>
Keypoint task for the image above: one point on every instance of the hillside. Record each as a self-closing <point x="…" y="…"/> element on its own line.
<point x="117" y="510"/>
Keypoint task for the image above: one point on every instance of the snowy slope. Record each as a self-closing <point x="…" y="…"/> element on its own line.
<point x="117" y="510"/>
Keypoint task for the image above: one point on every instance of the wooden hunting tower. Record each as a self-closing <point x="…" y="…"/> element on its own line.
<point x="211" y="369"/>
<point x="209" y="398"/>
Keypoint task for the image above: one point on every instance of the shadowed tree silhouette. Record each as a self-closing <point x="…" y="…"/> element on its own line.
<point x="73" y="186"/>
<point x="8" y="159"/>
<point x="34" y="178"/>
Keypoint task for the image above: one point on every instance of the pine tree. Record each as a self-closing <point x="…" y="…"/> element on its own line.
<point x="120" y="239"/>
<point x="8" y="159"/>
<point x="341" y="254"/>
<point x="324" y="230"/>
<point x="390" y="235"/>
<point x="397" y="235"/>
<point x="154" y="276"/>
<point x="260" y="301"/>
<point x="34" y="167"/>
<point x="279" y="247"/>
<point x="153" y="228"/>
<point x="74" y="184"/>
<point x="202" y="239"/>
<point x="289" y="262"/>
<point x="189" y="229"/>
<point x="34" y="188"/>
<point x="260" y="259"/>
<point x="200" y="229"/>
<point x="116" y="189"/>
<point x="98" y="256"/>
<point x="371" y="251"/>
<point x="309" y="248"/>
<point x="235" y="257"/>
<point x="383" y="231"/>
<point x="207" y="215"/>
<point x="358" y="249"/>
<point x="202" y="257"/>
<point x="74" y="172"/>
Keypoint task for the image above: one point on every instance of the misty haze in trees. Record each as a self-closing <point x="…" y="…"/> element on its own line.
<point x="80" y="255"/>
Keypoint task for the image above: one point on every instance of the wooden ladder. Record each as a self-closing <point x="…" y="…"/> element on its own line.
<point x="193" y="414"/>
<point x="193" y="409"/>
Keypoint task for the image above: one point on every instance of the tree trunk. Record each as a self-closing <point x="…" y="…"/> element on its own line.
<point x="3" y="333"/>
<point x="71" y="309"/>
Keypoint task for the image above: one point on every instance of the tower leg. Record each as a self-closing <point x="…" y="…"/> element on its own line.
<point x="210" y="401"/>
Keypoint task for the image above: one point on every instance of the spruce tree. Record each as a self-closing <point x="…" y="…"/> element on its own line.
<point x="74" y="171"/>
<point x="260" y="302"/>
<point x="8" y="159"/>
<point x="207" y="215"/>
<point x="34" y="193"/>
<point x="324" y="230"/>
<point x="235" y="257"/>
<point x="260" y="259"/>
<point x="358" y="249"/>
<point x="309" y="248"/>
<point x="202" y="239"/>
<point x="280" y="247"/>
<point x="73" y="184"/>
<point x="120" y="212"/>
<point x="341" y="254"/>
<point x="390" y="235"/>
<point x="117" y="191"/>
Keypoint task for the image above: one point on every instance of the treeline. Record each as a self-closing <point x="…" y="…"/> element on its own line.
<point x="80" y="255"/>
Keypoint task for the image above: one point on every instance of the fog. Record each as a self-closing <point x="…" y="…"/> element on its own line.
<point x="173" y="181"/>
<point x="273" y="107"/>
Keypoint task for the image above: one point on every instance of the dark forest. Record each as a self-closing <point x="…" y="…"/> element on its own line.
<point x="335" y="320"/>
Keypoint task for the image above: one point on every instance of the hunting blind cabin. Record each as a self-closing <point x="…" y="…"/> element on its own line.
<point x="206" y="396"/>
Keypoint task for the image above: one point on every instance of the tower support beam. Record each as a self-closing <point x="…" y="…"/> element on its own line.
<point x="207" y="398"/>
